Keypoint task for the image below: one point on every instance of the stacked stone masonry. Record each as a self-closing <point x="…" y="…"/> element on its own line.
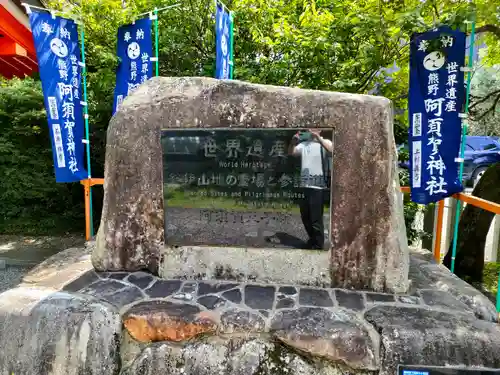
<point x="136" y="323"/>
<point x="353" y="330"/>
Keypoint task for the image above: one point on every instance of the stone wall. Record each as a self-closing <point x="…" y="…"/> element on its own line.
<point x="369" y="247"/>
<point x="65" y="318"/>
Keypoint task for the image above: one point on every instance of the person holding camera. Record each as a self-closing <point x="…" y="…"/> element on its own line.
<point x="313" y="151"/>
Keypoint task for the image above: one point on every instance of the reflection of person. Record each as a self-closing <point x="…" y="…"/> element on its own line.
<point x="310" y="146"/>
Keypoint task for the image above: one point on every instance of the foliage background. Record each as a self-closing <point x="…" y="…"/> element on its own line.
<point x="352" y="46"/>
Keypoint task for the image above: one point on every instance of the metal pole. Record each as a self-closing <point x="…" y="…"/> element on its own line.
<point x="157" y="62"/>
<point x="27" y="6"/>
<point x="498" y="294"/>
<point x="439" y="230"/>
<point x="86" y="119"/>
<point x="161" y="9"/>
<point x="462" y="144"/>
<point x="88" y="225"/>
<point x="231" y="67"/>
<point x="223" y="5"/>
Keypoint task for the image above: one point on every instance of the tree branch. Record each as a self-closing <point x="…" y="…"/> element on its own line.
<point x="494" y="29"/>
<point x="491" y="109"/>
<point x="436" y="11"/>
<point x="484" y="99"/>
<point x="368" y="77"/>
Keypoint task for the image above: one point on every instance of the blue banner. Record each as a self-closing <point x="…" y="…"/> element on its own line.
<point x="436" y="97"/>
<point x="58" y="54"/>
<point x="134" y="49"/>
<point x="223" y="25"/>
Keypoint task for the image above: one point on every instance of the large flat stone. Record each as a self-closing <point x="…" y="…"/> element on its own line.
<point x="350" y="299"/>
<point x="420" y="336"/>
<point x="241" y="321"/>
<point x="103" y="287"/>
<point x="369" y="250"/>
<point x="428" y="275"/>
<point x="151" y="321"/>
<point x="228" y="357"/>
<point x="124" y="297"/>
<point x="338" y="335"/>
<point x="260" y="297"/>
<point x="62" y="269"/>
<point x="315" y="297"/>
<point x="262" y="265"/>
<point x="444" y="300"/>
<point x="42" y="332"/>
<point x="163" y="288"/>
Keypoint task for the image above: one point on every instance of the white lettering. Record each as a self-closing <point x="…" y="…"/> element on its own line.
<point x="436" y="165"/>
<point x="434" y="126"/>
<point x="233" y="148"/>
<point x="278" y="149"/>
<point x="417" y="124"/>
<point x="423" y="45"/>
<point x="447" y="41"/>
<point x="416" y="164"/>
<point x="46" y="28"/>
<point x="435" y="186"/>
<point x="434" y="105"/>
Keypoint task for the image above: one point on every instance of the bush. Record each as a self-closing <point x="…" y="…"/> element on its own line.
<point x="31" y="202"/>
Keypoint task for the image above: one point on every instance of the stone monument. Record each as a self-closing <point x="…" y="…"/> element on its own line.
<point x="368" y="241"/>
<point x="132" y="304"/>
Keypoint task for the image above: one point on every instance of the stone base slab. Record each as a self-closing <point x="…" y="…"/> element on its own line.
<point x="264" y="265"/>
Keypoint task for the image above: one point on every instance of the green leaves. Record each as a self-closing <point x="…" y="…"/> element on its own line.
<point x="319" y="44"/>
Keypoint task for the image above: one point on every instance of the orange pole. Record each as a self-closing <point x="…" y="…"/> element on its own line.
<point x="478" y="202"/>
<point x="439" y="230"/>
<point x="86" y="187"/>
<point x="405" y="189"/>
<point x="96" y="181"/>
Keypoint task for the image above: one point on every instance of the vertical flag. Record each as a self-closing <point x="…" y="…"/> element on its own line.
<point x="134" y="49"/>
<point x="223" y="27"/>
<point x="436" y="96"/>
<point x="58" y="55"/>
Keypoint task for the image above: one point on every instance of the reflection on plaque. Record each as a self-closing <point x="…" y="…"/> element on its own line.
<point x="247" y="187"/>
<point x="441" y="370"/>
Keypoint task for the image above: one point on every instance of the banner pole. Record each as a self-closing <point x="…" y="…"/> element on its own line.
<point x="157" y="62"/>
<point x="86" y="119"/>
<point x="231" y="68"/>
<point x="215" y="34"/>
<point x="160" y="9"/>
<point x="498" y="294"/>
<point x="462" y="144"/>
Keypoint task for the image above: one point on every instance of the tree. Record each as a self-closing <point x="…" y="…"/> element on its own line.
<point x="473" y="228"/>
<point x="485" y="107"/>
<point x="318" y="44"/>
<point x="30" y="199"/>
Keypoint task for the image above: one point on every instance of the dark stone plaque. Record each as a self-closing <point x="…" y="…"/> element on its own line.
<point x="438" y="370"/>
<point x="241" y="187"/>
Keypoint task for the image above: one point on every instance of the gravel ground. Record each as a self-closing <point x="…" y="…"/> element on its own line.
<point x="194" y="226"/>
<point x="10" y="276"/>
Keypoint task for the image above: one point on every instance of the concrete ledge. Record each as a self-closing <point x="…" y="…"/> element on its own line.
<point x="60" y="269"/>
<point x="280" y="266"/>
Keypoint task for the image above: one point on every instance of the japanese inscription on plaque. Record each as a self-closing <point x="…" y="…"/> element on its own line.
<point x="237" y="188"/>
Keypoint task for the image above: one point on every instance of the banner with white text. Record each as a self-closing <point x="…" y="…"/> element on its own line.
<point x="224" y="24"/>
<point x="58" y="55"/>
<point x="435" y="100"/>
<point x="134" y="50"/>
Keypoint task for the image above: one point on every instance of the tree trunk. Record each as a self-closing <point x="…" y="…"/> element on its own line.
<point x="473" y="228"/>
